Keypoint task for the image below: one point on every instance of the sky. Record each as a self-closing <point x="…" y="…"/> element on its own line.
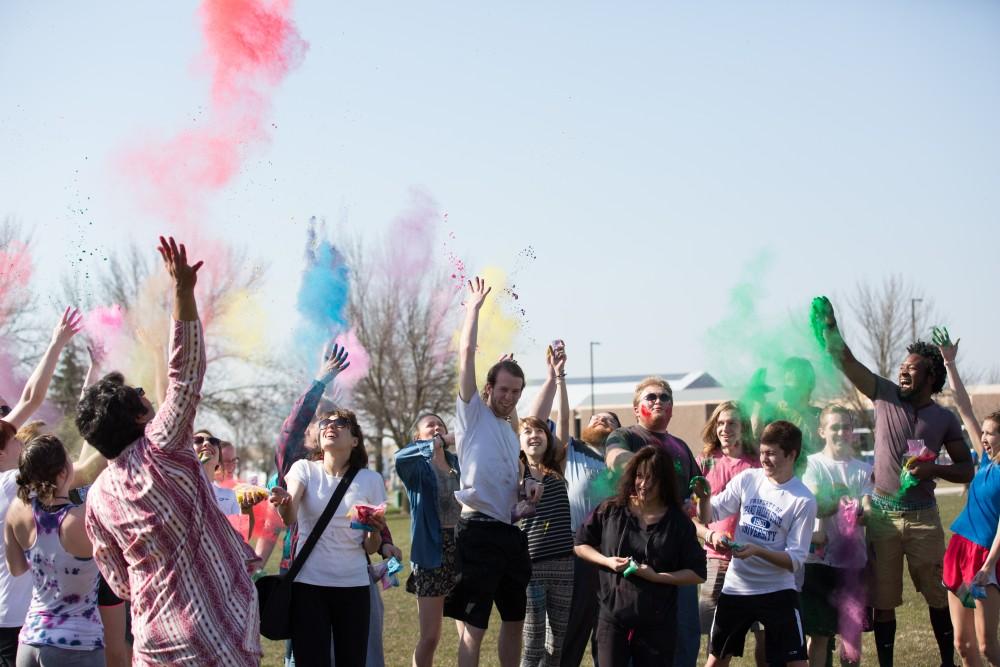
<point x="626" y="164"/>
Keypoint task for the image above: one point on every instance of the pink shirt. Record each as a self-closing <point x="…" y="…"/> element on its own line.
<point x="718" y="469"/>
<point x="161" y="541"/>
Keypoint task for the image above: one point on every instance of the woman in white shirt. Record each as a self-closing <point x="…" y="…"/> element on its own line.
<point x="330" y="594"/>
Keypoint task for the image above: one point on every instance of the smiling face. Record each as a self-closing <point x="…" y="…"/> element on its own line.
<point x="599" y="428"/>
<point x="914" y="376"/>
<point x="776" y="464"/>
<point x="837" y="431"/>
<point x="207" y="453"/>
<point x="646" y="488"/>
<point x="335" y="435"/>
<point x="729" y="430"/>
<point x="502" y="395"/>
<point x="991" y="439"/>
<point x="534" y="442"/>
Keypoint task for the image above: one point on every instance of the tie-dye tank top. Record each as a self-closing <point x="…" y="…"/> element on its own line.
<point x="63" y="610"/>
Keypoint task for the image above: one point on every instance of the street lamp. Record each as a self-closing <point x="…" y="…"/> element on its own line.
<point x="913" y="319"/>
<point x="592" y="344"/>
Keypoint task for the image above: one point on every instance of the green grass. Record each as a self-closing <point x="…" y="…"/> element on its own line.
<point x="915" y="645"/>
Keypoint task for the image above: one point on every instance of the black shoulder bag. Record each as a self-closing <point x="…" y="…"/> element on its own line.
<point x="274" y="591"/>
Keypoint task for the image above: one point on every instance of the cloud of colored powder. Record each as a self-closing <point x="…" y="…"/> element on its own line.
<point x="250" y="47"/>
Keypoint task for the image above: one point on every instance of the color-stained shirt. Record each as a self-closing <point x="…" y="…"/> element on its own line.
<point x="718" y="469"/>
<point x="15" y="592"/>
<point x="896" y="423"/>
<point x="777" y="517"/>
<point x="161" y="541"/>
<point x="548" y="530"/>
<point x="584" y="467"/>
<point x="634" y="438"/>
<point x="852" y="478"/>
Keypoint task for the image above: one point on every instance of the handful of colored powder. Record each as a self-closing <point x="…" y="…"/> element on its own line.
<point x="386" y="572"/>
<point x="362" y="516"/>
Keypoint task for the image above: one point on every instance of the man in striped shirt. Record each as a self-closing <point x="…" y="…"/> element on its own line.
<point x="159" y="538"/>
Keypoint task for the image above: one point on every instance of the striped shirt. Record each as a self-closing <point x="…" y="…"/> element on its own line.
<point x="548" y="531"/>
<point x="161" y="541"/>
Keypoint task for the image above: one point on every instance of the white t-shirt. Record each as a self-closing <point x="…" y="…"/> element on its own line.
<point x="226" y="498"/>
<point x="15" y="592"/>
<point x="778" y="517"/>
<point x="338" y="560"/>
<point x="822" y="474"/>
<point x="488" y="452"/>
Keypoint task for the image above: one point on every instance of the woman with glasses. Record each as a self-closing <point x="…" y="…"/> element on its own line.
<point x="330" y="594"/>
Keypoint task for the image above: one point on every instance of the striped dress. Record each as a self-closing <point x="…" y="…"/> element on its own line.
<point x="161" y="541"/>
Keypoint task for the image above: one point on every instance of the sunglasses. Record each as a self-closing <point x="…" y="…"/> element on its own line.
<point x="664" y="398"/>
<point x="337" y="422"/>
<point x="200" y="440"/>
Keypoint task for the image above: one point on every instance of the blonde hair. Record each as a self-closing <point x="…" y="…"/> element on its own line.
<point x="711" y="439"/>
<point x="651" y="381"/>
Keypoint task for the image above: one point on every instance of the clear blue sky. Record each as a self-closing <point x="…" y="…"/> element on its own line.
<point x="646" y="150"/>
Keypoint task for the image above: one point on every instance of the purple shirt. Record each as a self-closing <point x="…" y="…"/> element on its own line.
<point x="897" y="421"/>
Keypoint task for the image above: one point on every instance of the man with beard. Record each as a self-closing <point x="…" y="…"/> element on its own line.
<point x="492" y="554"/>
<point x="905" y="521"/>
<point x="584" y="469"/>
<point x="653" y="403"/>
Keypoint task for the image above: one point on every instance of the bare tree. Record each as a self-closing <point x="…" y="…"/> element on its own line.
<point x="887" y="315"/>
<point x="404" y="326"/>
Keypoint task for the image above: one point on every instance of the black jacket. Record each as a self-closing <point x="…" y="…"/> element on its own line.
<point x="667" y="546"/>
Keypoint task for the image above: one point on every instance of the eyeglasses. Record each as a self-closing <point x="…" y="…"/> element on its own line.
<point x="200" y="440"/>
<point x="336" y="422"/>
<point x="664" y="398"/>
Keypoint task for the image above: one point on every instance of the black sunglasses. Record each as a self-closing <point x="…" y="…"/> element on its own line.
<point x="200" y="439"/>
<point x="664" y="397"/>
<point x="338" y="422"/>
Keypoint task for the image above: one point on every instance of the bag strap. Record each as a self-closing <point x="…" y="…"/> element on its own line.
<point x="321" y="524"/>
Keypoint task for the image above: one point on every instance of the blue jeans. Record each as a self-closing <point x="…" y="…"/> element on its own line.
<point x="688" y="627"/>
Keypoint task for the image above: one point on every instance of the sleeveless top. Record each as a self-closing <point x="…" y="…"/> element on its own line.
<point x="63" y="610"/>
<point x="548" y="531"/>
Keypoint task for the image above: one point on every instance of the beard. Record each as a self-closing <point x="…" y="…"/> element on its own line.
<point x="595" y="435"/>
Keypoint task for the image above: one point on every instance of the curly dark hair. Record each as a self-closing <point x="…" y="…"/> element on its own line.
<point x="933" y="355"/>
<point x="655" y="463"/>
<point x="107" y="413"/>
<point x="43" y="459"/>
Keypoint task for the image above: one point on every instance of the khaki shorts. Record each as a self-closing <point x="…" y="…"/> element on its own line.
<point x="919" y="536"/>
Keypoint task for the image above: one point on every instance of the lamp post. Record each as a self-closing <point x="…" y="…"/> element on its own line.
<point x="592" y="344"/>
<point x="913" y="319"/>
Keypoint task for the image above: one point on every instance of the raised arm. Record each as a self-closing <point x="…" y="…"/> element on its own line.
<point x="467" y="341"/>
<point x="541" y="407"/>
<point x="291" y="444"/>
<point x="171" y="427"/>
<point x="949" y="351"/>
<point x="38" y="384"/>
<point x="824" y="324"/>
<point x="562" y="418"/>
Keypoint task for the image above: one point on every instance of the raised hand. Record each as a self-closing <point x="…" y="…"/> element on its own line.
<point x="69" y="325"/>
<point x="478" y="292"/>
<point x="333" y="363"/>
<point x="941" y="338"/>
<point x="175" y="259"/>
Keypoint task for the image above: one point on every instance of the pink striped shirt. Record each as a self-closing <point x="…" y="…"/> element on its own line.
<point x="161" y="541"/>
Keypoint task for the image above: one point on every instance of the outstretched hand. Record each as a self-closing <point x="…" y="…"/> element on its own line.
<point x="69" y="325"/>
<point x="175" y="259"/>
<point x="478" y="292"/>
<point x="333" y="363"/>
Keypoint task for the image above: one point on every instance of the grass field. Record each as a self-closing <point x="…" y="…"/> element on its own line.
<point x="915" y="645"/>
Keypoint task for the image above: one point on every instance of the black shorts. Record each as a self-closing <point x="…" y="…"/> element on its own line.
<point x="778" y="612"/>
<point x="819" y="616"/>
<point x="493" y="567"/>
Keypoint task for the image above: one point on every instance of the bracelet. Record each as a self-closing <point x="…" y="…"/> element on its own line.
<point x="710" y="533"/>
<point x="561" y="375"/>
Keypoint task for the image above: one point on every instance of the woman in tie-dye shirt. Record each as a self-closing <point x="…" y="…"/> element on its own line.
<point x="46" y="535"/>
